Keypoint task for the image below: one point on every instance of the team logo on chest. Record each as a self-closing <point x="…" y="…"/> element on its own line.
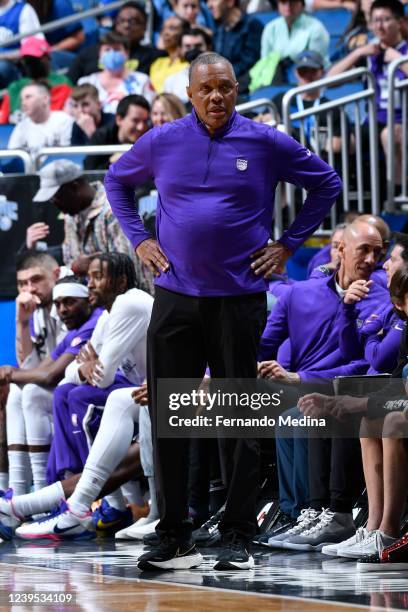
<point x="242" y="164"/>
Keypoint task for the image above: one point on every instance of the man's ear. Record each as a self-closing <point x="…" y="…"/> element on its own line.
<point x="56" y="274"/>
<point x="189" y="92"/>
<point x="341" y="249"/>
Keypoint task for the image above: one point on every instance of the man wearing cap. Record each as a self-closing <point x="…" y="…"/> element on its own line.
<point x="29" y="413"/>
<point x="309" y="67"/>
<point x="36" y="60"/>
<point x="89" y="224"/>
<point x="41" y="126"/>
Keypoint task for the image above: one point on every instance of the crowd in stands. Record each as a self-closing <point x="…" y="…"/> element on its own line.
<point x="78" y="427"/>
<point x="122" y="63"/>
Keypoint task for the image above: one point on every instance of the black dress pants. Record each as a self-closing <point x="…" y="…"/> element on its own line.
<point x="185" y="334"/>
<point x="335" y="473"/>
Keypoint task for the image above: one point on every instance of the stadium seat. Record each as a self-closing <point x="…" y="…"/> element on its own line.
<point x="334" y="20"/>
<point x="265" y="18"/>
<point x="7" y="332"/>
<point x="8" y="166"/>
<point x="269" y="92"/>
<point x="335" y="47"/>
<point x="297" y="263"/>
<point x="334" y="93"/>
<point x="5" y="131"/>
<point x="90" y="24"/>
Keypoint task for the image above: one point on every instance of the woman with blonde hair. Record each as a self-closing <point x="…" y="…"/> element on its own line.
<point x="166" y="107"/>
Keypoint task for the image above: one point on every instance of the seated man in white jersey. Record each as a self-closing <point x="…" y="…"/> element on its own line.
<point x="38" y="330"/>
<point x="107" y="463"/>
<point x="115" y="358"/>
<point x="29" y="411"/>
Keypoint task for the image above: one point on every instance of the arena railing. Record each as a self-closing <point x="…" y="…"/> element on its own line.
<point x="397" y="90"/>
<point x="46" y="152"/>
<point x="82" y="150"/>
<point x="328" y="108"/>
<point x="261" y="103"/>
<point x="26" y="158"/>
<point x="93" y="12"/>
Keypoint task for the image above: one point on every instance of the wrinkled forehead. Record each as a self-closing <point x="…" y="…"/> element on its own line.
<point x="205" y="73"/>
<point x="37" y="271"/>
<point x="369" y="241"/>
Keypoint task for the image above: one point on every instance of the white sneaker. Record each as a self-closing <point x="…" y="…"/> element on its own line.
<point x="8" y="515"/>
<point x="142" y="527"/>
<point x="62" y="524"/>
<point x="333" y="549"/>
<point x="373" y="543"/>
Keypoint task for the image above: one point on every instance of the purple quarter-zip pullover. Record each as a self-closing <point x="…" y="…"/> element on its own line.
<point x="309" y="314"/>
<point x="378" y="338"/>
<point x="216" y="199"/>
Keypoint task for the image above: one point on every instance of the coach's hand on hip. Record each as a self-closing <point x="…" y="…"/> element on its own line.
<point x="151" y="254"/>
<point x="270" y="259"/>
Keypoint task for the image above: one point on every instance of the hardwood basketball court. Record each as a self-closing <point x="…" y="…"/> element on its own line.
<point x="101" y="575"/>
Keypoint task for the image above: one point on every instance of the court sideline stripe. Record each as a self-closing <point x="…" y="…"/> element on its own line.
<point x="206" y="588"/>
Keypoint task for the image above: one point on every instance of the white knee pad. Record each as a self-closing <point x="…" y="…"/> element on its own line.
<point x="120" y="403"/>
<point x="145" y="441"/>
<point x="37" y="411"/>
<point x="16" y="432"/>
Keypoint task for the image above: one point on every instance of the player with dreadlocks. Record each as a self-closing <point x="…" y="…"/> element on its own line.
<point x="114" y="358"/>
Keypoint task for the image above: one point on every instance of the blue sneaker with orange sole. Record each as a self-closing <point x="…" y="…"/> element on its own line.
<point x="108" y="520"/>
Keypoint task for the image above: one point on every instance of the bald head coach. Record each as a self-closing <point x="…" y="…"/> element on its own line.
<point x="216" y="174"/>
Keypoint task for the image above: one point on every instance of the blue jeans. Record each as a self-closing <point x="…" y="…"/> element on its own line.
<point x="293" y="473"/>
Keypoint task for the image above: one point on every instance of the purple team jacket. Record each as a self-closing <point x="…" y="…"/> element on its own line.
<point x="309" y="314"/>
<point x="378" y="338"/>
<point x="216" y="199"/>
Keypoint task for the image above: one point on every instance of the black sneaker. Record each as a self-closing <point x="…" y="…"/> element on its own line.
<point x="170" y="554"/>
<point x="235" y="555"/>
<point x="208" y="534"/>
<point x="151" y="539"/>
<point x="286" y="522"/>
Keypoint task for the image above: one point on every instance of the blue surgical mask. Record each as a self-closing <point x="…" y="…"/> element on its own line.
<point x="113" y="60"/>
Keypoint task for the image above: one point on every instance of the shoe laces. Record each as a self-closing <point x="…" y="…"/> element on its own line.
<point x="324" y="519"/>
<point x="306" y="516"/>
<point x="235" y="543"/>
<point x="61" y="509"/>
<point x="214" y="519"/>
<point x="379" y="543"/>
<point x="360" y="534"/>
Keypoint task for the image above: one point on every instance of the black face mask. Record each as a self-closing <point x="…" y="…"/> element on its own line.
<point x="192" y="54"/>
<point x="35" y="68"/>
